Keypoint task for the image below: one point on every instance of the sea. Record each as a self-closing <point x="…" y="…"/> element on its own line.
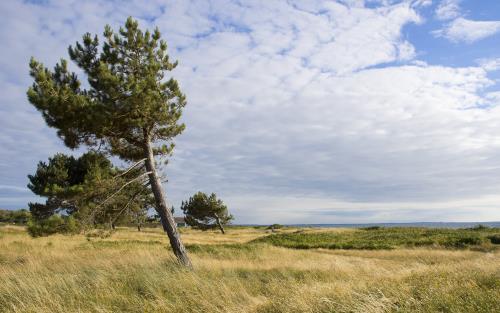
<point x="415" y="224"/>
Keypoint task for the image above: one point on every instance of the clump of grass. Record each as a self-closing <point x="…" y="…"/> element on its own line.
<point x="386" y="238"/>
<point x="99" y="233"/>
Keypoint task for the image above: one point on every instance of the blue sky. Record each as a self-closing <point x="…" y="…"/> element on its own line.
<point x="298" y="111"/>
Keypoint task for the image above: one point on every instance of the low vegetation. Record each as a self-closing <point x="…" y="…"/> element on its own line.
<point x="19" y="217"/>
<point x="375" y="238"/>
<point x="132" y="271"/>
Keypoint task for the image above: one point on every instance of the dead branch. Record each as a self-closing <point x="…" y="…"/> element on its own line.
<point x="130" y="168"/>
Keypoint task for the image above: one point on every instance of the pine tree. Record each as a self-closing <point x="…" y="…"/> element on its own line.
<point x="206" y="212"/>
<point x="78" y="187"/>
<point x="130" y="109"/>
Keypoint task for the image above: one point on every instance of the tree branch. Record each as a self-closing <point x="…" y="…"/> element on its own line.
<point x="130" y="168"/>
<point x="123" y="186"/>
<point x="126" y="205"/>
<point x="115" y="193"/>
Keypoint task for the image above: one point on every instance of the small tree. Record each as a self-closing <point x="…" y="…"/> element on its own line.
<point x="206" y="212"/>
<point x="79" y="187"/>
<point x="130" y="109"/>
<point x="61" y="181"/>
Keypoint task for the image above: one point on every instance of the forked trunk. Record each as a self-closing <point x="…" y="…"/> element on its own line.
<point x="166" y="217"/>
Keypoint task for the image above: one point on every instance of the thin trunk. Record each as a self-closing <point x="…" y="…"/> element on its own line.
<point x="166" y="217"/>
<point x="138" y="227"/>
<point x="219" y="224"/>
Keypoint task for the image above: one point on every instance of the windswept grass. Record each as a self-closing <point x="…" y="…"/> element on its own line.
<point x="375" y="238"/>
<point x="135" y="272"/>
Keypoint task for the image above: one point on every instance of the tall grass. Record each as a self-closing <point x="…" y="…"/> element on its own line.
<point x="135" y="272"/>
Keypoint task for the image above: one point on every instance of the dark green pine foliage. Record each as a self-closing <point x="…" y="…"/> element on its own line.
<point x="130" y="109"/>
<point x="82" y="188"/>
<point x="206" y="212"/>
<point x="61" y="181"/>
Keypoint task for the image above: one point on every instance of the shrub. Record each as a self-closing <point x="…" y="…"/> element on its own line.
<point x="479" y="227"/>
<point x="465" y="242"/>
<point x="275" y="226"/>
<point x="495" y="239"/>
<point x="371" y="228"/>
<point x="52" y="225"/>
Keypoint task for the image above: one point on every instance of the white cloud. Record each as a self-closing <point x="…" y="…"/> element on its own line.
<point x="490" y="64"/>
<point x="288" y="118"/>
<point x="464" y="30"/>
<point x="448" y="9"/>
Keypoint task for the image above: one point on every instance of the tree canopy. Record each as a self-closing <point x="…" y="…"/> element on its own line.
<point x="206" y="212"/>
<point x="79" y="187"/>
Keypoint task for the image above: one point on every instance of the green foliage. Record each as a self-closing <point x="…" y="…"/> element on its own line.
<point x="14" y="216"/>
<point x="62" y="181"/>
<point x="52" y="225"/>
<point x="495" y="239"/>
<point x="129" y="101"/>
<point x="275" y="226"/>
<point x="206" y="212"/>
<point x="385" y="238"/>
<point x="371" y="228"/>
<point x="80" y="186"/>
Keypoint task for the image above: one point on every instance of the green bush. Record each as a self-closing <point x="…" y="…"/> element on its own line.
<point x="275" y="226"/>
<point x="53" y="225"/>
<point x="495" y="239"/>
<point x="479" y="227"/>
<point x="371" y="228"/>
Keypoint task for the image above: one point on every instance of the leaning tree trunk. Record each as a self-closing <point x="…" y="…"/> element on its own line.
<point x="219" y="224"/>
<point x="166" y="217"/>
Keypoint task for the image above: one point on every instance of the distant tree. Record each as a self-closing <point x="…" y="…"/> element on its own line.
<point x="130" y="109"/>
<point x="206" y="212"/>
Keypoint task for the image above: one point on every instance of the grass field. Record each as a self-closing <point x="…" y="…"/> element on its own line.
<point x="375" y="238"/>
<point x="246" y="271"/>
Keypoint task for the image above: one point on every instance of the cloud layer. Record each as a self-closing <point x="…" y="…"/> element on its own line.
<point x="464" y="30"/>
<point x="317" y="112"/>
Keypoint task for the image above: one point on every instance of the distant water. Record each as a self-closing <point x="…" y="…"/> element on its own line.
<point x="418" y="224"/>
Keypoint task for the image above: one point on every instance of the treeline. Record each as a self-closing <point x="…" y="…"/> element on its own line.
<point x="15" y="216"/>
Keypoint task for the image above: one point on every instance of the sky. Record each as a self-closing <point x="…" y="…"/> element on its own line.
<point x="345" y="111"/>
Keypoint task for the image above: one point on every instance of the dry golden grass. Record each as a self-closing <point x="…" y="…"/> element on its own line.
<point x="135" y="272"/>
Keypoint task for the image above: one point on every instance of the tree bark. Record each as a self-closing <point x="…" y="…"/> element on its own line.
<point x="166" y="217"/>
<point x="219" y="224"/>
